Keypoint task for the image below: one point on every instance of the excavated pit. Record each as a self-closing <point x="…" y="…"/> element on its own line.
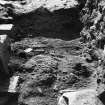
<point x="58" y="60"/>
<point x="62" y="24"/>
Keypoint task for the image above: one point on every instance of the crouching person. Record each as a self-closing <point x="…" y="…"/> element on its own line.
<point x="4" y="59"/>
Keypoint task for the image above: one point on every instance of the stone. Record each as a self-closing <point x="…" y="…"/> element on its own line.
<point x="13" y="83"/>
<point x="28" y="50"/>
<point x="79" y="97"/>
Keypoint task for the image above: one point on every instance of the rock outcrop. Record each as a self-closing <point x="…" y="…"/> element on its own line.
<point x="93" y="17"/>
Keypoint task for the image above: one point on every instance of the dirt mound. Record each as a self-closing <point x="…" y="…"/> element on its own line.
<point x="43" y="74"/>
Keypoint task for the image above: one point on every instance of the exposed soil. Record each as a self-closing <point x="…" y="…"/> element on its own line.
<point x="51" y="66"/>
<point x="67" y="47"/>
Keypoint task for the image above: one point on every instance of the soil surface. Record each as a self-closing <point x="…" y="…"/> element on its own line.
<point x="56" y="45"/>
<point x="51" y="65"/>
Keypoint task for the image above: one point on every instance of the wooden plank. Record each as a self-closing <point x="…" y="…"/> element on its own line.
<point x="6" y="26"/>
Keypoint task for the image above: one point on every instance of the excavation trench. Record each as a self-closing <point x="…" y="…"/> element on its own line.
<point x="62" y="23"/>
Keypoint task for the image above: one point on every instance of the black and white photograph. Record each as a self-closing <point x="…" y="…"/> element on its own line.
<point x="52" y="52"/>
